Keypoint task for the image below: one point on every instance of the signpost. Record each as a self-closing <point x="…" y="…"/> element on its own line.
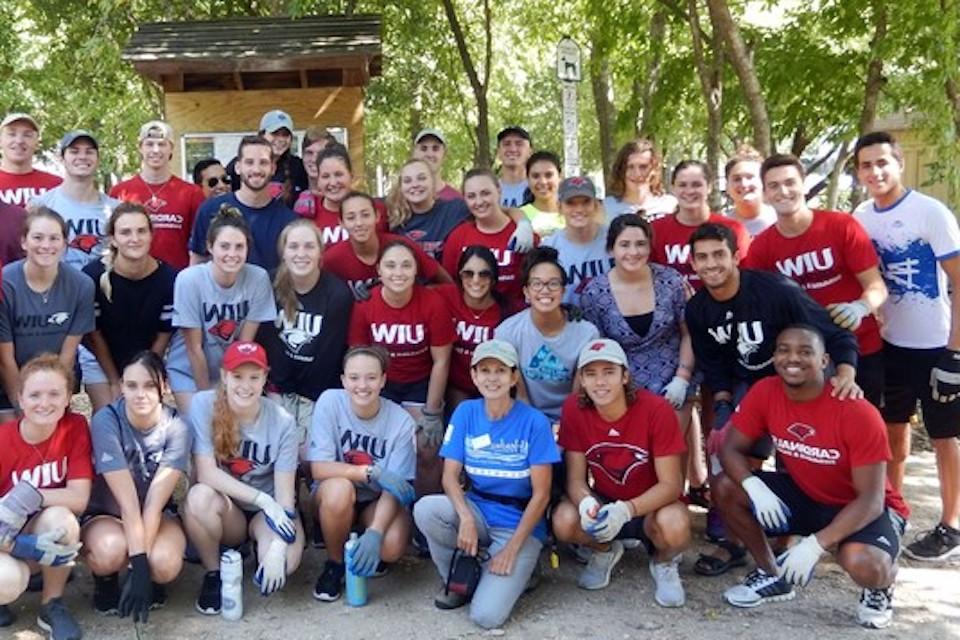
<point x="569" y="67"/>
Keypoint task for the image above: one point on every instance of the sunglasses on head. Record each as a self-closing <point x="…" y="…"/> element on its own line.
<point x="212" y="182"/>
<point x="469" y="274"/>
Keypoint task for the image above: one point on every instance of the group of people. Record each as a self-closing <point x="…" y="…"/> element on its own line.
<point x="483" y="371"/>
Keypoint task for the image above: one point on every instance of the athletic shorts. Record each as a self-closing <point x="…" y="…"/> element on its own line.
<point x="301" y="408"/>
<point x="90" y="370"/>
<point x="169" y="511"/>
<point x="400" y="392"/>
<point x="633" y="529"/>
<point x="907" y="373"/>
<point x="870" y="377"/>
<point x="808" y="516"/>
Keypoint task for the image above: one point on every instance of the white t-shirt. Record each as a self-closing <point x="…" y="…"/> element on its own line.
<point x="911" y="237"/>
<point x="655" y="207"/>
<point x="756" y="226"/>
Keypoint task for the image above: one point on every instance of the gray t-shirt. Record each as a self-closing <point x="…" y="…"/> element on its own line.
<point x="86" y="223"/>
<point x="583" y="262"/>
<point x="548" y="364"/>
<point x="36" y="322"/>
<point x="267" y="445"/>
<point x="511" y="193"/>
<point x="118" y="445"/>
<point x="387" y="440"/>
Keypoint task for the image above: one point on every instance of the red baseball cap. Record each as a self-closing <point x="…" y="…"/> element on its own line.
<point x="241" y="353"/>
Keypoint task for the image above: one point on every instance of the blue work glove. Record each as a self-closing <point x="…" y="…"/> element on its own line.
<point x="271" y="574"/>
<point x="137" y="593"/>
<point x="44" y="548"/>
<point x="394" y="484"/>
<point x="796" y="564"/>
<point x="771" y="512"/>
<point x="521" y="240"/>
<point x="610" y="520"/>
<point x="278" y="519"/>
<point x="365" y="555"/>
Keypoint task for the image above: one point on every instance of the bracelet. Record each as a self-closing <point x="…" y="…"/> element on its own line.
<point x="685" y="367"/>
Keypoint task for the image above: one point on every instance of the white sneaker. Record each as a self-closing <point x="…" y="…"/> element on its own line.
<point x="666" y="576"/>
<point x="875" y="610"/>
<point x="759" y="587"/>
<point x="596" y="575"/>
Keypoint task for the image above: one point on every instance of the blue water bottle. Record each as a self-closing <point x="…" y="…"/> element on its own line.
<point x="356" y="585"/>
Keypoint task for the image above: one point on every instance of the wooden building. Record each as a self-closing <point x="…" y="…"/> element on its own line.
<point x="918" y="156"/>
<point x="220" y="76"/>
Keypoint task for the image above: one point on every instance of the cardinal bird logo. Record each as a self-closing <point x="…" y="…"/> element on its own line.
<point x="801" y="431"/>
<point x="357" y="457"/>
<point x="225" y="329"/>
<point x="85" y="243"/>
<point x="239" y="467"/>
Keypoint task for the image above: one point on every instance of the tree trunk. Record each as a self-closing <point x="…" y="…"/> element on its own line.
<point x="600" y="83"/>
<point x="647" y="87"/>
<point x="742" y="63"/>
<point x="711" y="86"/>
<point x="953" y="95"/>
<point x="833" y="187"/>
<point x="875" y="80"/>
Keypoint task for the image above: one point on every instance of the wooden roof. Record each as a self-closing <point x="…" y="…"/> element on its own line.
<point x="257" y="44"/>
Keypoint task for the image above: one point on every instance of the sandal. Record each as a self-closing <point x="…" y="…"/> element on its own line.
<point x="707" y="565"/>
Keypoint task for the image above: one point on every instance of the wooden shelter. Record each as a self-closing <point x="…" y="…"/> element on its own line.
<point x="220" y="76"/>
<point x="918" y="156"/>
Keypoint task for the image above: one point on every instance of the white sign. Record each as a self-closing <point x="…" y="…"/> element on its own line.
<point x="571" y="145"/>
<point x="568" y="61"/>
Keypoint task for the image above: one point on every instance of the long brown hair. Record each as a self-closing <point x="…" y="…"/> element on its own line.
<point x="399" y="211"/>
<point x="618" y="173"/>
<point x="224" y="426"/>
<point x="283" y="290"/>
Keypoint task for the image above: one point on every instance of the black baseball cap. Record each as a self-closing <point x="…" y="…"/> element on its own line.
<point x="513" y="130"/>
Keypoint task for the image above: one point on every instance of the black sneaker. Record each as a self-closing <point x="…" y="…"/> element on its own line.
<point x="382" y="569"/>
<point x="159" y="597"/>
<point x="106" y="594"/>
<point x="759" y="587"/>
<point x="328" y="584"/>
<point x="6" y="616"/>
<point x="208" y="602"/>
<point x="940" y="543"/>
<point x="58" y="622"/>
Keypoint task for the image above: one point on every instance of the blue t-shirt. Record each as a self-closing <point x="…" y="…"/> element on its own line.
<point x="432" y="228"/>
<point x="265" y="225"/>
<point x="497" y="456"/>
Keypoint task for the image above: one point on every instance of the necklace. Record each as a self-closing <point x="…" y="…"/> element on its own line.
<point x="155" y="202"/>
<point x="45" y="442"/>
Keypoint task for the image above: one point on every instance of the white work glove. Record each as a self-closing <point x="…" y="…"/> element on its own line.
<point x="271" y="575"/>
<point x="848" y="315"/>
<point x="277" y="518"/>
<point x="16" y="507"/>
<point x="431" y="426"/>
<point x="676" y="392"/>
<point x="588" y="508"/>
<point x="610" y="520"/>
<point x="795" y="565"/>
<point x="768" y="508"/>
<point x="522" y="239"/>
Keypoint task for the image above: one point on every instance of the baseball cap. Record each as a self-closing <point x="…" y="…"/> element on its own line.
<point x="156" y="129"/>
<point x="576" y="186"/>
<point x="424" y="133"/>
<point x="496" y="349"/>
<point x="513" y="130"/>
<point x="275" y="120"/>
<point x="241" y="353"/>
<point x="10" y="118"/>
<point x="71" y="137"/>
<point x="604" y="350"/>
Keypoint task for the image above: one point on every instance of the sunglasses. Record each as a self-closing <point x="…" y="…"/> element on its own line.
<point x="212" y="182"/>
<point x="470" y="274"/>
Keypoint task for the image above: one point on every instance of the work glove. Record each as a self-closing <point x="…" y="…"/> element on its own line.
<point x="610" y="519"/>
<point x="365" y="554"/>
<point x="278" y="519"/>
<point x="361" y="289"/>
<point x="945" y="377"/>
<point x="848" y="315"/>
<point x="770" y="511"/>
<point x="45" y="549"/>
<point x="16" y="507"/>
<point x="521" y="240"/>
<point x="589" y="507"/>
<point x="432" y="427"/>
<point x="137" y="593"/>
<point x="676" y="392"/>
<point x="796" y="564"/>
<point x="271" y="574"/>
<point x="394" y="484"/>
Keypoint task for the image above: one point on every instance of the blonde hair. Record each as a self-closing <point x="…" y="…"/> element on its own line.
<point x="399" y="211"/>
<point x="46" y="362"/>
<point x="110" y="253"/>
<point x="224" y="426"/>
<point x="283" y="290"/>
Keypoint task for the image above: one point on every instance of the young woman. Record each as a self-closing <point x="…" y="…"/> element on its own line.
<point x="636" y="183"/>
<point x="544" y="173"/>
<point x="141" y="451"/>
<point x="477" y="310"/>
<point x="545" y="338"/>
<point x="363" y="456"/>
<point x="245" y="453"/>
<point x="134" y="303"/>
<point x="745" y="189"/>
<point x="45" y="477"/>
<point x="582" y="242"/>
<point x="215" y="304"/>
<point x="46" y="305"/>
<point x="355" y="260"/>
<point x="506" y="451"/>
<point x="490" y="227"/>
<point x="315" y="140"/>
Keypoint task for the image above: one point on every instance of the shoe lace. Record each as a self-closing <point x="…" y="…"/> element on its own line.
<point x="757" y="578"/>
<point x="876" y="598"/>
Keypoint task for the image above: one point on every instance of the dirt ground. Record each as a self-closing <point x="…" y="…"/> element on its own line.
<point x="401" y="603"/>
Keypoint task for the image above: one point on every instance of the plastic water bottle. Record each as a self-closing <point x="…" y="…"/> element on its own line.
<point x="231" y="585"/>
<point x="356" y="585"/>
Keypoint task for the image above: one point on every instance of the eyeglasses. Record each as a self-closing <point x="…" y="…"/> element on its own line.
<point x="554" y="284"/>
<point x="212" y="182"/>
<point x="470" y="274"/>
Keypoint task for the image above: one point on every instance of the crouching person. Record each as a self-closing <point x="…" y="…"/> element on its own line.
<point x="363" y="456"/>
<point x="630" y="442"/>
<point x="505" y="449"/>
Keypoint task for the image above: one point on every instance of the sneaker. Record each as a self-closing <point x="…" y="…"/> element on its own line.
<point x="106" y="594"/>
<point x="759" y="587"/>
<point x="875" y="610"/>
<point x="581" y="553"/>
<point x="666" y="576"/>
<point x="596" y="575"/>
<point x="6" y="616"/>
<point x="159" y="600"/>
<point x="420" y="545"/>
<point x="58" y="622"/>
<point x="447" y="600"/>
<point x="382" y="569"/>
<point x="328" y="584"/>
<point x="208" y="602"/>
<point x="940" y="543"/>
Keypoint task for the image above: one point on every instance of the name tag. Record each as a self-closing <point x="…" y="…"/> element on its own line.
<point x="481" y="442"/>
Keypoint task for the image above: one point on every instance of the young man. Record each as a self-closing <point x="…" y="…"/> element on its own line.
<point x="19" y="181"/>
<point x="918" y="241"/>
<point x="513" y="149"/>
<point x="209" y="175"/>
<point x="832" y="488"/>
<point x="745" y="189"/>
<point x="290" y="176"/>
<point x="829" y="254"/>
<point x="628" y="440"/>
<point x="431" y="147"/>
<point x="266" y="216"/>
<point x="85" y="208"/>
<point x="171" y="202"/>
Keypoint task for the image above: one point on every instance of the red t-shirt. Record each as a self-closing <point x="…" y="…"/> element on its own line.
<point x="342" y="261"/>
<point x="671" y="243"/>
<point x="310" y="205"/>
<point x="21" y="188"/>
<point x="447" y="192"/>
<point x="172" y="207"/>
<point x="819" y="441"/>
<point x="825" y="260"/>
<point x="472" y="328"/>
<point x="406" y="333"/>
<point x="63" y="456"/>
<point x="620" y="455"/>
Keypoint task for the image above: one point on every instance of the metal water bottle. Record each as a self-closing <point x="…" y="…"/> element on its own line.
<point x="356" y="585"/>
<point x="231" y="585"/>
